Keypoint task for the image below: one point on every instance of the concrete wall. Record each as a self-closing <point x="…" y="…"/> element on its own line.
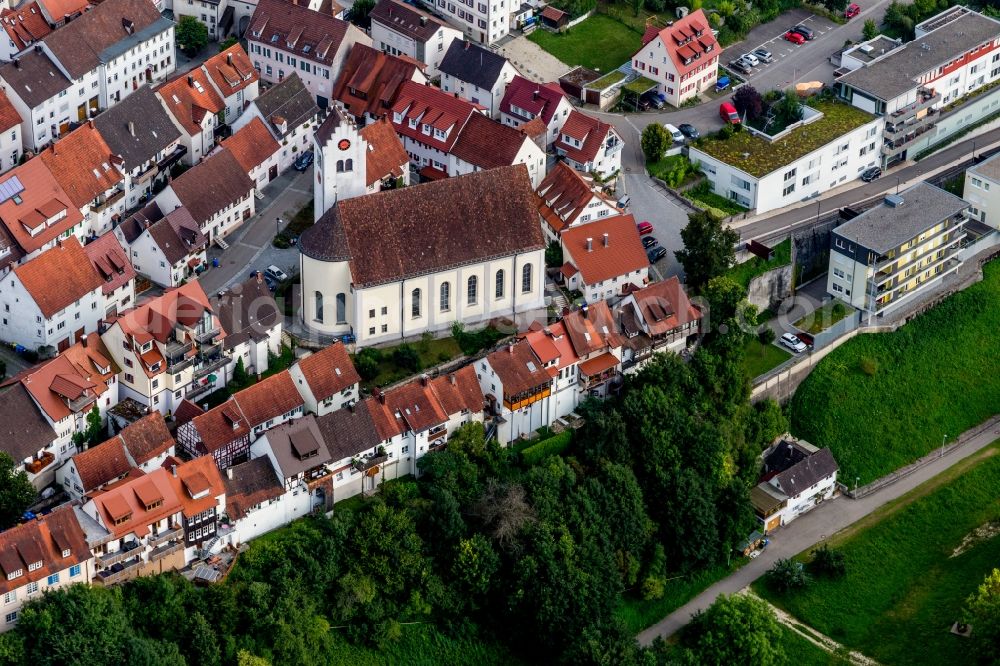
<point x="770" y="288"/>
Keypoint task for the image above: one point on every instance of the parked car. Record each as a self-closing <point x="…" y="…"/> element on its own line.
<point x="792" y="342"/>
<point x="740" y="66"/>
<point x="653" y="99"/>
<point x="794" y="37"/>
<point x="275" y="273"/>
<point x="674" y="133"/>
<point x="804" y="31"/>
<point x="649" y="242"/>
<point x="870" y="174"/>
<point x="728" y="113"/>
<point x="750" y="59"/>
<point x="643" y="104"/>
<point x="271" y="284"/>
<point x="852" y="11"/>
<point x="689" y="130"/>
<point x="304" y="161"/>
<point x="644" y="228"/>
<point x="764" y="55"/>
<point x="624" y="202"/>
<point x="656" y="253"/>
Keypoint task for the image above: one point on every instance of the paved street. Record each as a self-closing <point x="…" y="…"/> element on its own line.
<point x="250" y="245"/>
<point x="820" y="523"/>
<point x="653" y="204"/>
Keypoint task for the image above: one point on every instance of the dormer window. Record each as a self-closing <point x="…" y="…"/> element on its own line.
<point x="146" y="347"/>
<point x="124" y="519"/>
<point x="15" y="574"/>
<point x="413" y="123"/>
<point x="35" y="566"/>
<point x="66" y="552"/>
<point x="425" y="129"/>
<point x="154" y="505"/>
<point x="155" y="367"/>
<point x="274" y="39"/>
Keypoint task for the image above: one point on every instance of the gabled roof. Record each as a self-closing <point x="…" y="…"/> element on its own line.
<point x="156" y="318"/>
<point x="147" y="438"/>
<point x="247" y="311"/>
<point x="298" y="446"/>
<point x="688" y="41"/>
<point x="59" y="277"/>
<point x="269" y="399"/>
<point x="102" y="464"/>
<point x="34" y="78"/>
<point x="458" y="391"/>
<point x="137" y="128"/>
<point x="621" y="255"/>
<point x="178" y="235"/>
<point x="55" y="540"/>
<point x="487" y="144"/>
<point x="538" y="99"/>
<point x="664" y="306"/>
<point x="412" y="407"/>
<point x="23" y="430"/>
<point x="83" y="164"/>
<point x="287" y="103"/>
<point x="518" y="369"/>
<point x="105" y="32"/>
<point x="252" y="145"/>
<point x="231" y="70"/>
<point x="186" y="411"/>
<point x="396" y="234"/>
<point x="472" y="63"/>
<point x="221" y="425"/>
<point x="40" y="200"/>
<point x="59" y="11"/>
<point x="80" y="374"/>
<point x="212" y="185"/>
<point x="110" y="261"/>
<point x="434" y="107"/>
<point x="809" y="470"/>
<point x="592" y="328"/>
<point x="348" y="432"/>
<point x="406" y="20"/>
<point x="551" y="343"/>
<point x="295" y="28"/>
<point x="589" y="131"/>
<point x="370" y="80"/>
<point x="564" y="195"/>
<point x="25" y="25"/>
<point x="197" y="484"/>
<point x="249" y="484"/>
<point x="386" y="156"/>
<point x="127" y="502"/>
<point x="189" y="98"/>
<point x="328" y="371"/>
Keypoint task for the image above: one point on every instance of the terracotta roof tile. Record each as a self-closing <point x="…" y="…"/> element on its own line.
<point x="158" y="317"/>
<point x="414" y="406"/>
<point x="377" y="76"/>
<point x="59" y="276"/>
<point x="110" y="261"/>
<point x="385" y="425"/>
<point x="41" y="193"/>
<point x="459" y="391"/>
<point x="592" y="329"/>
<point x="665" y="305"/>
<point x="622" y="255"/>
<point x="676" y="39"/>
<point x="411" y="231"/>
<point x="539" y="99"/>
<point x="55" y="540"/>
<point x="386" y="156"/>
<point x="249" y="484"/>
<point x="197" y="485"/>
<point x="83" y="165"/>
<point x="189" y="97"/>
<point x="102" y="464"/>
<point x="309" y="34"/>
<point x="231" y="70"/>
<point x="591" y="132"/>
<point x="430" y="106"/>
<point x="186" y="411"/>
<point x="564" y="195"/>
<point x="147" y="438"/>
<point x="269" y="399"/>
<point x="487" y="144"/>
<point x="252" y="145"/>
<point x="124" y="501"/>
<point x="59" y="10"/>
<point x="518" y="369"/>
<point x="221" y="425"/>
<point x="328" y="371"/>
<point x="9" y="117"/>
<point x="24" y="25"/>
<point x="214" y="184"/>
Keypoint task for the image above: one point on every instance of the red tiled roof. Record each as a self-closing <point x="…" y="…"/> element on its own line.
<point x="518" y="368"/>
<point x="221" y="425"/>
<point x="77" y="370"/>
<point x="434" y="107"/>
<point x="55" y="540"/>
<point x="386" y="155"/>
<point x="622" y="255"/>
<point x="189" y="98"/>
<point x="197" y="484"/>
<point x="9" y="117"/>
<point x="24" y="25"/>
<point x="249" y="484"/>
<point x="375" y="75"/>
<point x="487" y="144"/>
<point x="157" y="317"/>
<point x="328" y="371"/>
<point x="83" y="165"/>
<point x="269" y="398"/>
<point x="186" y="411"/>
<point x="58" y="10"/>
<point x="231" y="70"/>
<point x="59" y="277"/>
<point x="552" y="343"/>
<point x="665" y="305"/>
<point x="591" y="133"/>
<point x="598" y="364"/>
<point x="553" y="13"/>
<point x="539" y="99"/>
<point x="413" y="407"/>
<point x="592" y="328"/>
<point x="42" y="198"/>
<point x="293" y="27"/>
<point x="102" y="464"/>
<point x="564" y="195"/>
<point x="458" y="391"/>
<point x="110" y="261"/>
<point x="147" y="438"/>
<point x="252" y="144"/>
<point x="127" y="500"/>
<point x="682" y="41"/>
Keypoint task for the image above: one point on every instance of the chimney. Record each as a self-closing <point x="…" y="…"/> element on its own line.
<point x="229" y="473"/>
<point x="590" y="244"/>
<point x="605" y="239"/>
<point x="424" y="379"/>
<point x="534" y="95"/>
<point x="90" y="123"/>
<point x="173" y="470"/>
<point x="510" y="349"/>
<point x="190" y="80"/>
<point x="229" y="59"/>
<point x="451" y="378"/>
<point x="131" y="128"/>
<point x="17" y="63"/>
<point x="467" y="45"/>
<point x="83" y="340"/>
<point x="54" y="150"/>
<point x="259" y="278"/>
<point x="423" y="20"/>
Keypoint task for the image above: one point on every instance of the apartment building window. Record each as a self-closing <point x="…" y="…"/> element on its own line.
<point x="788" y="190"/>
<point x="32" y="587"/>
<point x="11" y="617"/>
<point x="445" y="296"/>
<point x="790" y="175"/>
<point x="371" y="330"/>
<point x="53" y="579"/>
<point x="10" y="597"/>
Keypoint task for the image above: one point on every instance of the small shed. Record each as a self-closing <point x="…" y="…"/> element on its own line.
<point x="553" y="18"/>
<point x="750" y="544"/>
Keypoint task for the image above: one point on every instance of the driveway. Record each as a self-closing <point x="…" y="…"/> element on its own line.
<point x="534" y="62"/>
<point x="650" y="202"/>
<point x="820" y="523"/>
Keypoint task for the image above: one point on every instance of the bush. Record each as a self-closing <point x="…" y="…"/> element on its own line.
<point x="838" y="310"/>
<point x="869" y="365"/>
<point x="554" y="255"/>
<point x="535" y="453"/>
<point x="788" y="575"/>
<point x="829" y="563"/>
<point x="406" y="357"/>
<point x="655" y="141"/>
<point x="366" y="363"/>
<point x="473" y="342"/>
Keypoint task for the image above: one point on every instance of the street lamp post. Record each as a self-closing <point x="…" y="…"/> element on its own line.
<point x="973" y="151"/>
<point x="897" y="184"/>
<point x="944" y="438"/>
<point x="277" y="224"/>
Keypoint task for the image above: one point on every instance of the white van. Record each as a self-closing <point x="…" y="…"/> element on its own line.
<point x="675" y="133"/>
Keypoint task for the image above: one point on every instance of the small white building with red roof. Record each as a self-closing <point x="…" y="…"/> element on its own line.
<point x="682" y="58"/>
<point x="526" y="100"/>
<point x="567" y="198"/>
<point x="604" y="259"/>
<point x="657" y="318"/>
<point x="590" y="145"/>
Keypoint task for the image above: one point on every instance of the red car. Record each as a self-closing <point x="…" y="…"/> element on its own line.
<point x="644" y="228"/>
<point x="852" y="11"/>
<point x="795" y="38"/>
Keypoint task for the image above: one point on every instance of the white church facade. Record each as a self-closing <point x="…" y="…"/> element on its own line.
<point x="401" y="263"/>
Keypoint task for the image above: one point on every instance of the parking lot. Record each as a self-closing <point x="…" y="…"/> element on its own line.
<point x="650" y="203"/>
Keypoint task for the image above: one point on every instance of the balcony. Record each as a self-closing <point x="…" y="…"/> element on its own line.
<point x="118" y="573"/>
<point x="127" y="550"/>
<point x="100" y="206"/>
<point x="172" y="158"/>
<point x="896" y="146"/>
<point x="210" y="365"/>
<point x="317" y="473"/>
<point x="208" y="336"/>
<point x="925" y="99"/>
<point x="372" y="462"/>
<point x="148" y="174"/>
<point x="436" y="433"/>
<point x="164" y="550"/>
<point x="40" y="463"/>
<point x="180" y="356"/>
<point x="162" y="537"/>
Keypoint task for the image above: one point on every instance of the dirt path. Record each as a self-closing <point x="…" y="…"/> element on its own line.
<point x="533" y="61"/>
<point x="821" y="641"/>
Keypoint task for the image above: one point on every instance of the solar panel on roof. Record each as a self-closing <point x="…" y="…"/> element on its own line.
<point x="10" y="188"/>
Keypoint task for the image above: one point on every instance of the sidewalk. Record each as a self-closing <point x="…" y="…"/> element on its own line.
<point x="822" y="522"/>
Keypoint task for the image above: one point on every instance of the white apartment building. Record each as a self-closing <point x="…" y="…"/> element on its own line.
<point x="290" y="113"/>
<point x="982" y="191"/>
<point x="590" y="146"/>
<point x="604" y="259"/>
<point x="525" y="101"/>
<point x="568" y="198"/>
<point x="402" y="29"/>
<point x="483" y="22"/>
<point x="167" y="249"/>
<point x="478" y="74"/>
<point x="195" y="107"/>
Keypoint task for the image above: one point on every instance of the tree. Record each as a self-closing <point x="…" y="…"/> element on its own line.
<point x="191" y="35"/>
<point x="748" y="101"/>
<point x="870" y="29"/>
<point x="737" y="629"/>
<point x="983" y="611"/>
<point x="94" y="433"/>
<point x="554" y="255"/>
<point x="406" y="357"/>
<point x="16" y="492"/>
<point x="227" y="42"/>
<point x="709" y="249"/>
<point x="366" y="363"/>
<point x="655" y="141"/>
<point x="829" y="563"/>
<point x="788" y="575"/>
<point x="240" y="376"/>
<point x="358" y="14"/>
<point x="765" y="336"/>
<point x="836" y="6"/>
<point x="788" y="109"/>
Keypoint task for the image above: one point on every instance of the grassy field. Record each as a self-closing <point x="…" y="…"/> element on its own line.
<point x="638" y="614"/>
<point x="758" y="358"/>
<point x="431" y="352"/>
<point x="801" y="652"/>
<point x="600" y="43"/>
<point x="748" y="270"/>
<point x="702" y="196"/>
<point x="880" y="401"/>
<point x="422" y="645"/>
<point x="823" y="318"/>
<point x="902" y="581"/>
